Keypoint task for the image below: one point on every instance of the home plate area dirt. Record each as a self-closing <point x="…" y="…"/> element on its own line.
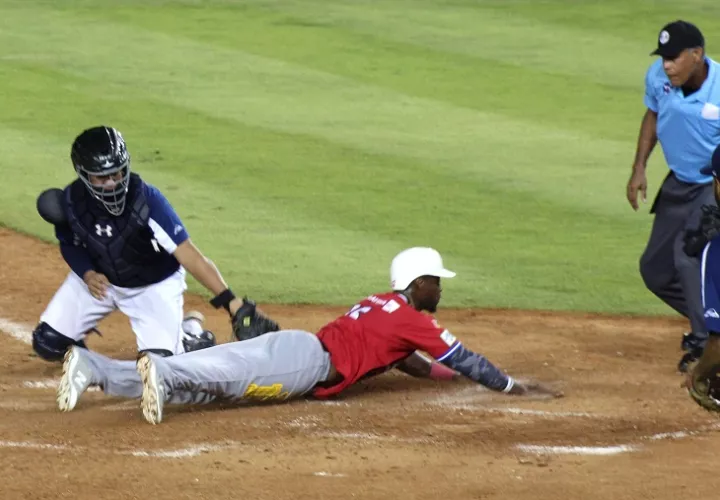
<point x="625" y="428"/>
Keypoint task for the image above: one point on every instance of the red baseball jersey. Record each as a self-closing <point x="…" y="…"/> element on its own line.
<point x="377" y="333"/>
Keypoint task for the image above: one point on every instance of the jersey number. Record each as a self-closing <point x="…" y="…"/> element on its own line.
<point x="357" y="310"/>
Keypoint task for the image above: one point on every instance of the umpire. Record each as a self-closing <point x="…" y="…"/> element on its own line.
<point x="682" y="95"/>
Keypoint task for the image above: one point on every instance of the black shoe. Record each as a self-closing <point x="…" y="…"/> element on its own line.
<point x="693" y="345"/>
<point x="691" y="340"/>
<point x="688" y="359"/>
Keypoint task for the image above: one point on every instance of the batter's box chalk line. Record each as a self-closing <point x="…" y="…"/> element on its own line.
<point x="19" y="331"/>
<point x="187" y="452"/>
<point x="50" y="383"/>
<point x="369" y="437"/>
<point x="328" y="474"/>
<point x="614" y="449"/>
<point x="575" y="450"/>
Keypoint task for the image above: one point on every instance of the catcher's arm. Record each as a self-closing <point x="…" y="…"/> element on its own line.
<point x="203" y="270"/>
<point x="703" y="382"/>
<point x="247" y="322"/>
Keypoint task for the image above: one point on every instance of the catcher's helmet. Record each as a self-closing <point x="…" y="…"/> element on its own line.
<point x="101" y="151"/>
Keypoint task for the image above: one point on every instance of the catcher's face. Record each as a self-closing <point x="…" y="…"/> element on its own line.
<point x="716" y="186"/>
<point x="426" y="293"/>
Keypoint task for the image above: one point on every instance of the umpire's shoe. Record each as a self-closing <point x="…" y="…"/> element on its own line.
<point x="76" y="378"/>
<point x="153" y="395"/>
<point x="693" y="345"/>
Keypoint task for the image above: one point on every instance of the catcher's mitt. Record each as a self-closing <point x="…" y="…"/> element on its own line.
<point x="248" y="323"/>
<point x="705" y="389"/>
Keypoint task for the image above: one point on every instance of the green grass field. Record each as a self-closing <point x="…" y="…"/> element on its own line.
<point x="304" y="143"/>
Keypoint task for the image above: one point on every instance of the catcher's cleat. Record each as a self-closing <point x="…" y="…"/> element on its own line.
<point x="153" y="395"/>
<point x="195" y="337"/>
<point x="76" y="378"/>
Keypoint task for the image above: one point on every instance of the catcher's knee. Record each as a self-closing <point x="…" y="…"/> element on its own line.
<point x="165" y="353"/>
<point x="50" y="344"/>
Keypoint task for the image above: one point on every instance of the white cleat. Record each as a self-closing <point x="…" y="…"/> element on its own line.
<point x="192" y="323"/>
<point x="153" y="395"/>
<point x="76" y="378"/>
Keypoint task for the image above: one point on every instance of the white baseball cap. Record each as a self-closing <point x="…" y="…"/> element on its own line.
<point x="414" y="262"/>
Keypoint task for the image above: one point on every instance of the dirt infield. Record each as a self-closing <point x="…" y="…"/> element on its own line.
<point x="624" y="430"/>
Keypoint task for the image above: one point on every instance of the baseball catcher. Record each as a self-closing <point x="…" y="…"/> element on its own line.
<point x="127" y="249"/>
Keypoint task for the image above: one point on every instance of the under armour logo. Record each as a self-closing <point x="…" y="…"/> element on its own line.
<point x="107" y="230"/>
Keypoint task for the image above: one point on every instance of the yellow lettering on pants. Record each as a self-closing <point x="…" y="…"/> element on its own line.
<point x="264" y="392"/>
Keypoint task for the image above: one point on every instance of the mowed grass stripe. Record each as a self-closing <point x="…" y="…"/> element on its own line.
<point x="279" y="96"/>
<point x="468" y="80"/>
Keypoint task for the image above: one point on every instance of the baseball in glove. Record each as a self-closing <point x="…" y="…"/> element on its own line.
<point x="248" y="322"/>
<point x="703" y="382"/>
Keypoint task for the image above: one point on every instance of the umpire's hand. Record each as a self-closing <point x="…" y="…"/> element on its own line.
<point x="637" y="182"/>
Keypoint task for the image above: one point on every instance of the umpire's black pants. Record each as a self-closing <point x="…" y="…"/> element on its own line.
<point x="666" y="270"/>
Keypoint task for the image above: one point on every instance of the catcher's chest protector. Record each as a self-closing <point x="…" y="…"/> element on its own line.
<point x="123" y="247"/>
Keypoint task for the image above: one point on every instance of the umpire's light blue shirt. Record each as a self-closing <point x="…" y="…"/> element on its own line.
<point x="688" y="128"/>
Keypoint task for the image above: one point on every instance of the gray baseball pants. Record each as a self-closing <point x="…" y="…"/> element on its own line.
<point x="666" y="270"/>
<point x="275" y="366"/>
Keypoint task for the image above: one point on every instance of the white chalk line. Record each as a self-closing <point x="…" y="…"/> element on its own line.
<point x="192" y="451"/>
<point x="369" y="436"/>
<point x="51" y="383"/>
<point x="189" y="452"/>
<point x="683" y="434"/>
<point x="615" y="449"/>
<point x="34" y="446"/>
<point x="576" y="450"/>
<point x="541" y="413"/>
<point x="18" y="331"/>
<point x="328" y="474"/>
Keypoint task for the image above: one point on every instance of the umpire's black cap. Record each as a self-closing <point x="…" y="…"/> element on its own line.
<point x="676" y="37"/>
<point x="714" y="167"/>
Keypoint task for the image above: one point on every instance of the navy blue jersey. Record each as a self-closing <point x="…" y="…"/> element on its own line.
<point x="711" y="285"/>
<point x="133" y="249"/>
